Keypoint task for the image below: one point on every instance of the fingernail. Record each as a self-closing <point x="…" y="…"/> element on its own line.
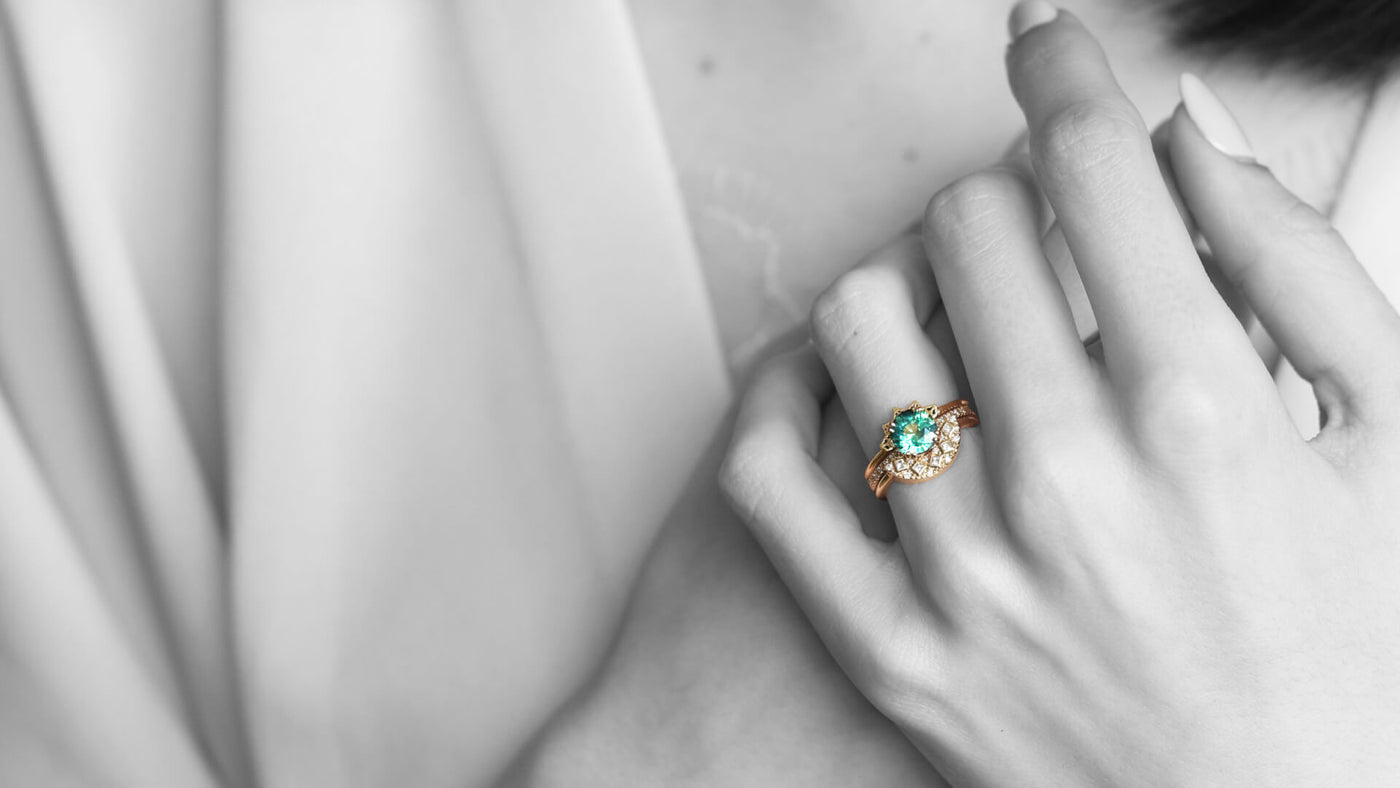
<point x="1030" y="13"/>
<point x="1214" y="119"/>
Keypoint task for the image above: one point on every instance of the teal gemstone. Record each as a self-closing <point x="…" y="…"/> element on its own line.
<point x="913" y="432"/>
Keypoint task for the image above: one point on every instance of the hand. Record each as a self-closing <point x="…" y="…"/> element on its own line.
<point x="1136" y="572"/>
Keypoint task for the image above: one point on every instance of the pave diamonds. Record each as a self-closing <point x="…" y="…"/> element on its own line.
<point x="919" y="444"/>
<point x="942" y="444"/>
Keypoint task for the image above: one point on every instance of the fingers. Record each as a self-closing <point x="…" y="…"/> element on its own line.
<point x="940" y="333"/>
<point x="1053" y="244"/>
<point x="1258" y="337"/>
<point x="866" y="327"/>
<point x="1055" y="248"/>
<point x="1155" y="305"/>
<point x="1022" y="352"/>
<point x="843" y="460"/>
<point x="849" y="585"/>
<point x="1292" y="267"/>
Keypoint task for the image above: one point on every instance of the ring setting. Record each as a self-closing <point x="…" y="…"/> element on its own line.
<point x="919" y="443"/>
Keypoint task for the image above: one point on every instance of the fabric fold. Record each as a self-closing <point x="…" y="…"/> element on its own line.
<point x="172" y="521"/>
<point x="77" y="706"/>
<point x="438" y="418"/>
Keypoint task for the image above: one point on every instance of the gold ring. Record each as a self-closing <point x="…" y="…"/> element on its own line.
<point x="919" y="444"/>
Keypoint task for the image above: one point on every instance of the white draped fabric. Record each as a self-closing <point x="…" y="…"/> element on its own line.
<point x="325" y="458"/>
<point x="319" y="442"/>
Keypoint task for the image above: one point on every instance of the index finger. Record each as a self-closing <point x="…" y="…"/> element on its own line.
<point x="1155" y="305"/>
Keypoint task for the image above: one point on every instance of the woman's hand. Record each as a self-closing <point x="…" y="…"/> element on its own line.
<point x="1136" y="572"/>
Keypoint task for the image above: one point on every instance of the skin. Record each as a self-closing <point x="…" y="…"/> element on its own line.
<point x="1136" y="572"/>
<point x="708" y="627"/>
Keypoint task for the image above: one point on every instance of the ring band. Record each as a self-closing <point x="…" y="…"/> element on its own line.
<point x="918" y="444"/>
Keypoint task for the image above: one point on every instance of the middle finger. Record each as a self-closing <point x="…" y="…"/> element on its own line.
<point x="1023" y="354"/>
<point x="1155" y="305"/>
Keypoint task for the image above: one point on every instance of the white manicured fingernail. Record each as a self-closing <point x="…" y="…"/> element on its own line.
<point x="1028" y="14"/>
<point x="1214" y="119"/>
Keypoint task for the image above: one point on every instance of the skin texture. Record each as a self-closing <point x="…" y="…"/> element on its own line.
<point x="1137" y="572"/>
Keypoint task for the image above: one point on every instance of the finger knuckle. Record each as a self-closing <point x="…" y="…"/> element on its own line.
<point x="1050" y="473"/>
<point x="1173" y="397"/>
<point x="983" y="587"/>
<point x="896" y="672"/>
<point x="1284" y="227"/>
<point x="1308" y="228"/>
<point x="849" y="311"/>
<point x="963" y="213"/>
<point x="1193" y="415"/>
<point x="744" y="477"/>
<point x="1086" y="143"/>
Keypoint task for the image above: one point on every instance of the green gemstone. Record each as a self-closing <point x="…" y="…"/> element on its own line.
<point x="913" y="432"/>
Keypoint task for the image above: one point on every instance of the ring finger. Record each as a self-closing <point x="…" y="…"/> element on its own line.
<point x="867" y="330"/>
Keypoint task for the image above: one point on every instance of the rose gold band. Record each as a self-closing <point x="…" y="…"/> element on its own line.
<point x="890" y="465"/>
